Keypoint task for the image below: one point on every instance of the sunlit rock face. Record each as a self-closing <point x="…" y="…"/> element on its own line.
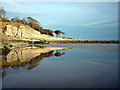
<point x="22" y="32"/>
<point x="22" y="55"/>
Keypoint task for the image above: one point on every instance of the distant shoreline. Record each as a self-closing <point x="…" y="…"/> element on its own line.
<point x="105" y="47"/>
<point x="85" y="41"/>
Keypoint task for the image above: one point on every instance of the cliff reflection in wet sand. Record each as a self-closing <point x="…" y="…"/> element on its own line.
<point x="28" y="57"/>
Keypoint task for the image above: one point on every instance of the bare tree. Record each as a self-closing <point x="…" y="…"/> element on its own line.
<point x="2" y="12"/>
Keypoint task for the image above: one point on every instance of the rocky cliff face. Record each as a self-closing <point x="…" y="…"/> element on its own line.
<point x="22" y="32"/>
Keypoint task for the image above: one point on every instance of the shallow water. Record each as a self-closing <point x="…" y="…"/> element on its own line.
<point x="63" y="68"/>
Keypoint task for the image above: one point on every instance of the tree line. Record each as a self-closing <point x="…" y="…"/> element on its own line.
<point x="31" y="22"/>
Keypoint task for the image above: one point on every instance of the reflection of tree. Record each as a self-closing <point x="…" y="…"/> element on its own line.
<point x="3" y="73"/>
<point x="16" y="66"/>
<point x="5" y="66"/>
<point x="58" y="53"/>
<point x="34" y="62"/>
<point x="49" y="54"/>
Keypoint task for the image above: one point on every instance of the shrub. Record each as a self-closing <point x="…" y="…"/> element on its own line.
<point x="40" y="42"/>
<point x="30" y="42"/>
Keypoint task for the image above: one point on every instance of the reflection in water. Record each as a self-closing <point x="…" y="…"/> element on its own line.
<point x="58" y="53"/>
<point x="3" y="73"/>
<point x="35" y="67"/>
<point x="28" y="58"/>
<point x="103" y="47"/>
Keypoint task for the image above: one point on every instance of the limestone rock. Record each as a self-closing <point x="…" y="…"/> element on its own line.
<point x="22" y="32"/>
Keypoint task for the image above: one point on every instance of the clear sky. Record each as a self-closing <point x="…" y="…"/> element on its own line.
<point x="84" y="20"/>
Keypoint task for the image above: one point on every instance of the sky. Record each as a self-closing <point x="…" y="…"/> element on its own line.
<point x="83" y="20"/>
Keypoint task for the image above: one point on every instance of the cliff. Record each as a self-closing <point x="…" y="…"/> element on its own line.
<point x="17" y="31"/>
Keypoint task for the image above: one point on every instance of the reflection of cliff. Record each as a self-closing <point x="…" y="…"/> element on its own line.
<point x="29" y="56"/>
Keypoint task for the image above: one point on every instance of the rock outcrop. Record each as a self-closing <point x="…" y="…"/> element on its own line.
<point x="25" y="32"/>
<point x="22" y="32"/>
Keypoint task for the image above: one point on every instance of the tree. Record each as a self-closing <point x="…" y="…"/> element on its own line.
<point x="24" y="21"/>
<point x="12" y="20"/>
<point x="16" y="19"/>
<point x="58" y="32"/>
<point x="33" y="23"/>
<point x="47" y="32"/>
<point x="2" y="12"/>
<point x="5" y="19"/>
